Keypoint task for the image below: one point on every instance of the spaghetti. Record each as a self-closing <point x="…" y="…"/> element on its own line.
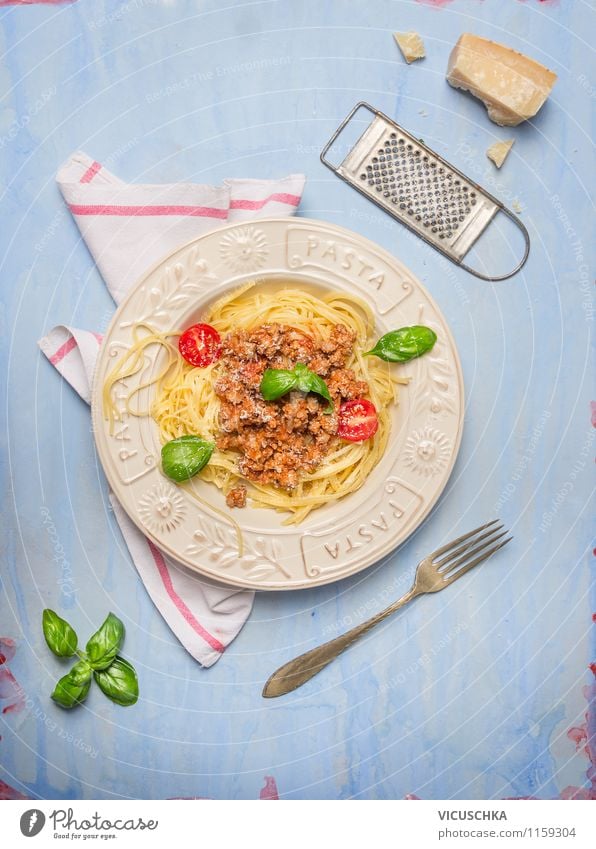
<point x="185" y="402"/>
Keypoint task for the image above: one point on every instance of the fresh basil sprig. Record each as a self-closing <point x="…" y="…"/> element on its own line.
<point x="404" y="344"/>
<point x="60" y="637"/>
<point x="115" y="676"/>
<point x="277" y="382"/>
<point x="184" y="457"/>
<point x="119" y="682"/>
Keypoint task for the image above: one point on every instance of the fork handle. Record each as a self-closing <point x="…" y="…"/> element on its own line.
<point x="297" y="672"/>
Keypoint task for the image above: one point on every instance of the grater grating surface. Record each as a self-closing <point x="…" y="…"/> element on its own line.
<point x="420" y="189"/>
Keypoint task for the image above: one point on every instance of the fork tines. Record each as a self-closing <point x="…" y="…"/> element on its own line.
<point x="470" y="549"/>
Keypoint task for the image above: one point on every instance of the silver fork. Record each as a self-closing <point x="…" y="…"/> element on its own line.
<point x="434" y="573"/>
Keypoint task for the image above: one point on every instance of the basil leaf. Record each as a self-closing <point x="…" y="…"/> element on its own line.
<point x="277" y="382"/>
<point x="68" y="693"/>
<point x="185" y="456"/>
<point x="308" y="381"/>
<point x="103" y="646"/>
<point x="404" y="344"/>
<point x="119" y="682"/>
<point x="60" y="637"/>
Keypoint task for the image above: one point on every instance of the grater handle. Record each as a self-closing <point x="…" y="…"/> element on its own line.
<point x="360" y="105"/>
<point x="520" y="264"/>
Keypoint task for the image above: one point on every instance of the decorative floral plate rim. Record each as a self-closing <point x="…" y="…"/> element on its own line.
<point x="339" y="539"/>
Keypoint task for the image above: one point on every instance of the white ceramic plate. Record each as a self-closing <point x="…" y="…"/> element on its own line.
<point x="338" y="539"/>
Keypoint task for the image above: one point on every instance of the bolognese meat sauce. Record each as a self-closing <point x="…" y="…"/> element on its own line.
<point x="278" y="440"/>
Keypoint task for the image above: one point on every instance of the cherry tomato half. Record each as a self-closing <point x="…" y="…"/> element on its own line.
<point x="200" y="345"/>
<point x="357" y="420"/>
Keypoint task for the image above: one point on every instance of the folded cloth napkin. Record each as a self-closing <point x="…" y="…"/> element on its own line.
<point x="128" y="228"/>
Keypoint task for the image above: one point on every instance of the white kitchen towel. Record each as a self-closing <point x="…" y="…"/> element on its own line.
<point x="128" y="228"/>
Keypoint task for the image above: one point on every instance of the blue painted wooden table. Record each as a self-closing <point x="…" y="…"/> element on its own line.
<point x="478" y="693"/>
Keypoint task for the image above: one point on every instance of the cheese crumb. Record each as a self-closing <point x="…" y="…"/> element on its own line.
<point x="512" y="86"/>
<point x="411" y="45"/>
<point x="499" y="151"/>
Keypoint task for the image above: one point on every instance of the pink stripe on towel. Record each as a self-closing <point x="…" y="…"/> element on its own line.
<point x="280" y="197"/>
<point x="181" y="606"/>
<point x="91" y="172"/>
<point x="63" y="350"/>
<point x="98" y="209"/>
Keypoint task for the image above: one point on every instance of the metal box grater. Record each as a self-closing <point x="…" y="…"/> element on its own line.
<point x="420" y="189"/>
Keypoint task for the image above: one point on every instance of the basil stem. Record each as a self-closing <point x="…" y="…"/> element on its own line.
<point x="69" y="692"/>
<point x="60" y="637"/>
<point x="103" y="646"/>
<point x="119" y="682"/>
<point x="278" y="382"/>
<point x="81" y="672"/>
<point x="184" y="457"/>
<point x="404" y="344"/>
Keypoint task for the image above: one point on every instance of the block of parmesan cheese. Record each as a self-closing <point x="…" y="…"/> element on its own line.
<point x="512" y="86"/>
<point x="410" y="44"/>
<point x="499" y="151"/>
